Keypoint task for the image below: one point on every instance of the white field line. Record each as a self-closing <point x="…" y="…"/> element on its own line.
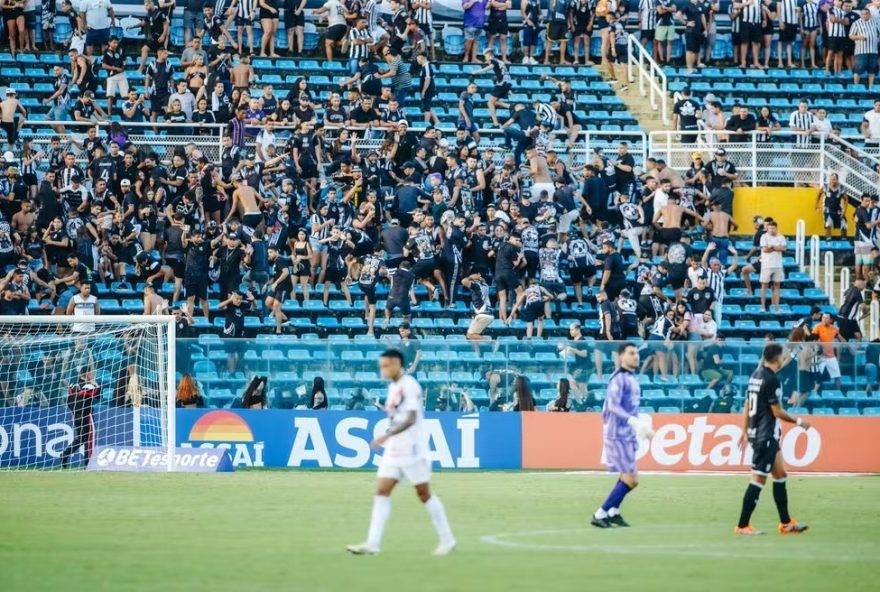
<point x="633" y="547"/>
<point x="740" y="473"/>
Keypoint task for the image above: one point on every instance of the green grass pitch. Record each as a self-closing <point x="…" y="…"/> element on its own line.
<point x="284" y="530"/>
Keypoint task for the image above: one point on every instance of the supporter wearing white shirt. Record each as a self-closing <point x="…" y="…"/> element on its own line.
<point x="821" y="128"/>
<point x="264" y="139"/>
<point x="773" y="245"/>
<point x="98" y="14"/>
<point x="871" y="124"/>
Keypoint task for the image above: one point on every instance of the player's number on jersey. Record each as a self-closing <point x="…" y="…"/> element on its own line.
<point x="753" y="403"/>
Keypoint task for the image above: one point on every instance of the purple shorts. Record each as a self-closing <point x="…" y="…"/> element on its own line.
<point x="620" y="455"/>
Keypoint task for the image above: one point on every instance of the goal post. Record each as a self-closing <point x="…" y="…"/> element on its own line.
<point x="70" y="383"/>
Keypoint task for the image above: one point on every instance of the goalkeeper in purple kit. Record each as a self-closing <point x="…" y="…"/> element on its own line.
<point x="622" y="430"/>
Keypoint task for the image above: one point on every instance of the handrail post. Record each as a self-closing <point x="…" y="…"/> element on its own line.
<point x="874" y="320"/>
<point x="822" y="159"/>
<point x="754" y="159"/>
<point x="844" y="281"/>
<point x="829" y="276"/>
<point x="815" y="254"/>
<point x="799" y="243"/>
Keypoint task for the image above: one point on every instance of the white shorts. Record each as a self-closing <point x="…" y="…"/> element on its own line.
<point x="773" y="275"/>
<point x="830" y="365"/>
<point x="117" y="83"/>
<point x="537" y="188"/>
<point x="416" y="473"/>
<point x="479" y="323"/>
<point x="566" y="220"/>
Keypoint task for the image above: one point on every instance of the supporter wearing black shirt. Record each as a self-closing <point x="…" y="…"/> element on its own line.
<point x="235" y="308"/>
<point x="688" y="113"/>
<point x="195" y="275"/>
<point x="740" y="125"/>
<point x="398" y="296"/>
<point x="614" y="274"/>
<point x="700" y="298"/>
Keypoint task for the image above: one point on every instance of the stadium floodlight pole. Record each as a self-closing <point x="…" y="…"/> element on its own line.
<point x="165" y="346"/>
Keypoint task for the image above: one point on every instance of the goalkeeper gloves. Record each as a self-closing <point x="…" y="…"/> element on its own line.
<point x="642" y="425"/>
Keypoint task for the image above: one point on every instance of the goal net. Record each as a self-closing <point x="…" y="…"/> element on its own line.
<point x="69" y="384"/>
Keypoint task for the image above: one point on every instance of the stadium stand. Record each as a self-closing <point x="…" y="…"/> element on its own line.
<point x="125" y="237"/>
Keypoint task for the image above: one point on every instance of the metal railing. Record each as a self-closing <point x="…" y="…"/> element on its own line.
<point x="160" y="140"/>
<point x="652" y="79"/>
<point x="778" y="160"/>
<point x="211" y="145"/>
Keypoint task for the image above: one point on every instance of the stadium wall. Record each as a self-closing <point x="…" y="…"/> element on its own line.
<point x="786" y="205"/>
<point x="340" y="439"/>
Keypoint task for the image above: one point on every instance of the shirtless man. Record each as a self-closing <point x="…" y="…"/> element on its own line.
<point x="667" y="220"/>
<point x="243" y="74"/>
<point x="540" y="173"/>
<point x="719" y="224"/>
<point x="24" y="218"/>
<point x="245" y="203"/>
<point x="9" y="108"/>
<point x="153" y="303"/>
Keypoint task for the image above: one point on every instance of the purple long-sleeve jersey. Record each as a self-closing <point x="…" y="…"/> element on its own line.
<point x="621" y="403"/>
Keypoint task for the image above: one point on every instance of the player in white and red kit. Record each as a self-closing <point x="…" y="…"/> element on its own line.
<point x="405" y="457"/>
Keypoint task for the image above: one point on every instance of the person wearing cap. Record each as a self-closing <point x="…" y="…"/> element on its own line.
<point x="720" y="168"/>
<point x="10" y="123"/>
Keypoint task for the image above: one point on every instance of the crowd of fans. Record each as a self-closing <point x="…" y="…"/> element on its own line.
<point x="294" y="208"/>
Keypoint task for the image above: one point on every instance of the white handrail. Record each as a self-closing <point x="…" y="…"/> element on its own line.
<point x="829" y="277"/>
<point x="844" y="281"/>
<point x="800" y="239"/>
<point x="815" y="255"/>
<point x="874" y="321"/>
<point x="649" y="71"/>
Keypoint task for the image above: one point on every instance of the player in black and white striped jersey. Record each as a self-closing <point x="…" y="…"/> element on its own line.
<point x="733" y="13"/>
<point x="715" y="274"/>
<point x="422" y="14"/>
<point x="809" y="31"/>
<point x="789" y="16"/>
<point x="751" y="16"/>
<point x="800" y="122"/>
<point x="865" y="32"/>
<point x="245" y="14"/>
<point x="750" y="31"/>
<point x="379" y="34"/>
<point x="359" y="42"/>
<point x="836" y="27"/>
<point x="648" y="24"/>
